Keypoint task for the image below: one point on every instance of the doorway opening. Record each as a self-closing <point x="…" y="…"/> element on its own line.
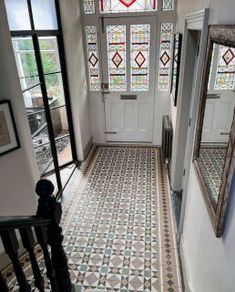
<point x="129" y="52"/>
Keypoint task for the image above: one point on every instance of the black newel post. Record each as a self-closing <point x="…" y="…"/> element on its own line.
<point x="49" y="208"/>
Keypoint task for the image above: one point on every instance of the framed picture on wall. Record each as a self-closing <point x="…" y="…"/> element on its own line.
<point x="176" y="66"/>
<point x="9" y="139"/>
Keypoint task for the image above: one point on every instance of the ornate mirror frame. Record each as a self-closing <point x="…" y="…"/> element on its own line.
<point x="222" y="35"/>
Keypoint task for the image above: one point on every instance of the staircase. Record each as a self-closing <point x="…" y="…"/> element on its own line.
<point x="42" y="229"/>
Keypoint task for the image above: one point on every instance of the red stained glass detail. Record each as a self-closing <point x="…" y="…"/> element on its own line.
<point x="140" y="59"/>
<point x="117" y="59"/>
<point x="228" y="56"/>
<point x="127" y="3"/>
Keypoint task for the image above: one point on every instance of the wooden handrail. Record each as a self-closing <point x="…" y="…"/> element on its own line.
<point x="16" y="222"/>
<point x="45" y="225"/>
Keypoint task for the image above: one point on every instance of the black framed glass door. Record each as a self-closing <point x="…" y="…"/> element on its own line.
<point x="39" y="53"/>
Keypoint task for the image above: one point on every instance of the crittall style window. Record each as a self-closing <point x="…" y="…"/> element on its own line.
<point x="39" y="53"/>
<point x="129" y="44"/>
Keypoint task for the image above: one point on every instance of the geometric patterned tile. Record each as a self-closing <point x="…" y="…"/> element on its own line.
<point x="113" y="209"/>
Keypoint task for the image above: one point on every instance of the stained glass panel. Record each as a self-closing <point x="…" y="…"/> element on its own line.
<point x="89" y="6"/>
<point x="115" y="6"/>
<point x="164" y="73"/>
<point x="167" y="5"/>
<point x="225" y="75"/>
<point x="140" y="45"/>
<point x="93" y="58"/>
<point x="116" y="47"/>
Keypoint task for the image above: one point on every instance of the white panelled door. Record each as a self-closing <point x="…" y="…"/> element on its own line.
<point x="128" y="48"/>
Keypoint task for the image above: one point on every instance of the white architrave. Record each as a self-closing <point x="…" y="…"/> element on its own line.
<point x="189" y="93"/>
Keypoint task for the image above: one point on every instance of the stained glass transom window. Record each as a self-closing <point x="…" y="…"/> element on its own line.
<point x="225" y="74"/>
<point x="89" y="6"/>
<point x="140" y="45"/>
<point x="115" y="6"/>
<point x="166" y="39"/>
<point x="116" y="47"/>
<point x="167" y="5"/>
<point x="93" y="58"/>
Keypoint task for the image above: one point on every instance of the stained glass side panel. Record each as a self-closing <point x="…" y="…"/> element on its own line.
<point x="116" y="6"/>
<point x="93" y="58"/>
<point x="225" y="75"/>
<point x="166" y="39"/>
<point x="116" y="48"/>
<point x="167" y="5"/>
<point x="140" y="45"/>
<point x="89" y="6"/>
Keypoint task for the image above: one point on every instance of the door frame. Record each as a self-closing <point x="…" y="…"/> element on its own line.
<point x="197" y="21"/>
<point x="161" y="99"/>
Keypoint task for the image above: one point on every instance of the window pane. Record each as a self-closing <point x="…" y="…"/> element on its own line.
<point x="42" y="137"/>
<point x="116" y="44"/>
<point x="49" y="54"/>
<point x="33" y="99"/>
<point x="166" y="39"/>
<point x="52" y="70"/>
<point x="93" y="58"/>
<point x="167" y="5"/>
<point x="18" y="15"/>
<point x="89" y="6"/>
<point x="44" y="14"/>
<point x="42" y="150"/>
<point x="225" y="73"/>
<point x="63" y="147"/>
<point x="60" y="122"/>
<point x="140" y="44"/>
<point x="55" y="90"/>
<point x="25" y="61"/>
<point x="115" y="6"/>
<point x="37" y="121"/>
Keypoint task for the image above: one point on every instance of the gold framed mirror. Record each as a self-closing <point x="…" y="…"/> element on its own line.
<point x="214" y="149"/>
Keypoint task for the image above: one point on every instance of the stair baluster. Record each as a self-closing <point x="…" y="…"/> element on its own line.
<point x="11" y="246"/>
<point x="29" y="243"/>
<point x="43" y="241"/>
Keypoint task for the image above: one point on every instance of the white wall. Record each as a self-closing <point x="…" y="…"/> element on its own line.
<point x="73" y="40"/>
<point x="210" y="261"/>
<point x="18" y="170"/>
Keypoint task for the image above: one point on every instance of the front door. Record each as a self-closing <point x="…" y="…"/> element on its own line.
<point x="128" y="48"/>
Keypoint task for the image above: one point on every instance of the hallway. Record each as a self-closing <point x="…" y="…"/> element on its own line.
<point x="118" y="223"/>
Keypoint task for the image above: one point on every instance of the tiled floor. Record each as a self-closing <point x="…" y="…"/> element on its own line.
<point x="211" y="162"/>
<point x="118" y="223"/>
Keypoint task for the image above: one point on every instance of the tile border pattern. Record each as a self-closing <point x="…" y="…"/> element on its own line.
<point x="170" y="279"/>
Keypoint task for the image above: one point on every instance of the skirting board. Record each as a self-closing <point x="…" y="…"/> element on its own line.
<point x="184" y="266"/>
<point x="87" y="149"/>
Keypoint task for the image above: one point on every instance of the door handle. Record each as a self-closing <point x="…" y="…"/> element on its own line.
<point x="128" y="97"/>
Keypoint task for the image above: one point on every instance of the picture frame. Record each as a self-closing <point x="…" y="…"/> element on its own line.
<point x="177" y="47"/>
<point x="9" y="139"/>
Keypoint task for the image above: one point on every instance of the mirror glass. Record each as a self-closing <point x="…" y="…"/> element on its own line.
<point x="218" y="118"/>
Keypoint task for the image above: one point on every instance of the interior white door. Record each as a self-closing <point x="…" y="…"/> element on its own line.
<point x="128" y="59"/>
